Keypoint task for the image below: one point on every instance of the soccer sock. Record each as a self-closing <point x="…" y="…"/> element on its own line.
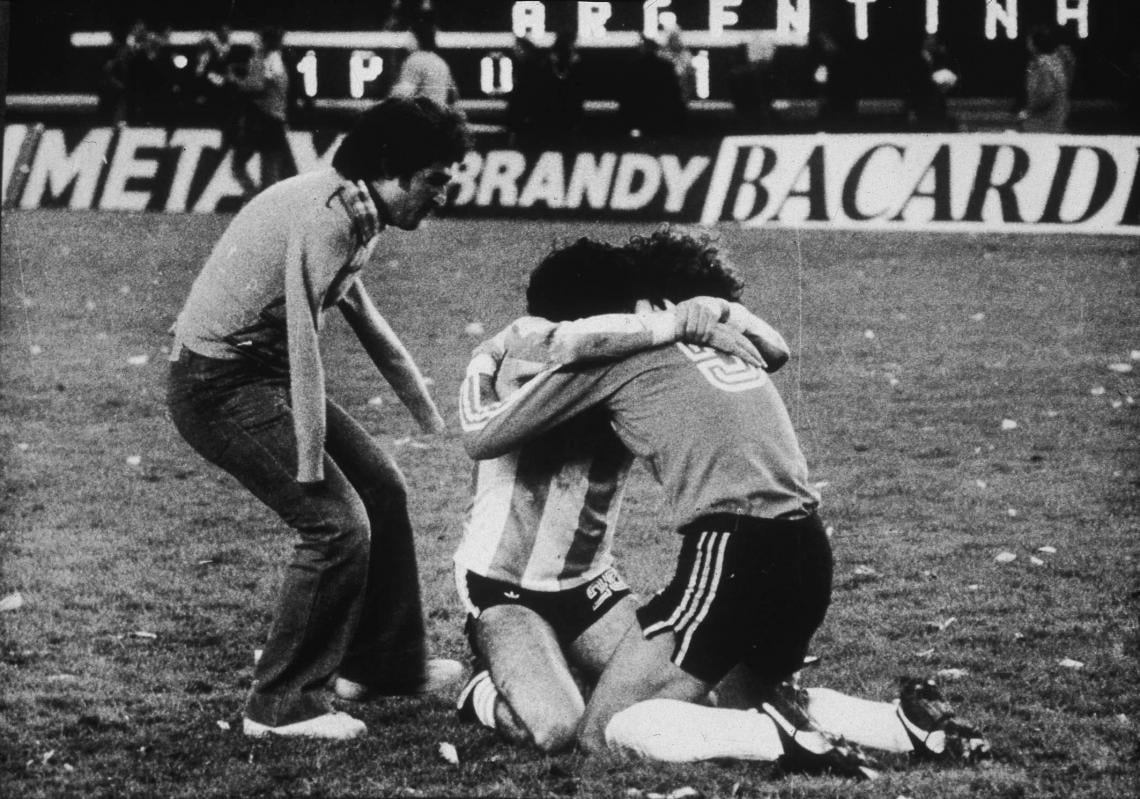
<point x="681" y="732"/>
<point x="861" y="721"/>
<point x="483" y="701"/>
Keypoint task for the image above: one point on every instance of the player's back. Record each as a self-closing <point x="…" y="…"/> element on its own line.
<point x="713" y="430"/>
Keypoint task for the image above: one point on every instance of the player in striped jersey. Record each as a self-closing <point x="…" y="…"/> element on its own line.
<point x="535" y="568"/>
<point x="754" y="574"/>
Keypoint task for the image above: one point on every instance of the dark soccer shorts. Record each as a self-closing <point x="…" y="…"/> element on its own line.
<point x="570" y="613"/>
<point x="745" y="590"/>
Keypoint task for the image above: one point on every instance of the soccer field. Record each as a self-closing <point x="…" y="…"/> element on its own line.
<point x="966" y="404"/>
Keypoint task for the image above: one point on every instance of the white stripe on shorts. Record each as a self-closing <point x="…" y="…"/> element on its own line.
<point x="706" y="569"/>
<point x="667" y="624"/>
<point x="464" y="594"/>
<point x="692" y="624"/>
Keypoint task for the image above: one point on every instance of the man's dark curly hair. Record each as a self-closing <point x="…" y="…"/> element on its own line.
<point x="399" y="136"/>
<point x="583" y="278"/>
<point x="675" y="265"/>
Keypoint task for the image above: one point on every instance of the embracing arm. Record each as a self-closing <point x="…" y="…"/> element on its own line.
<point x="613" y="336"/>
<point x="767" y="340"/>
<point x="493" y="427"/>
<point x="391" y="357"/>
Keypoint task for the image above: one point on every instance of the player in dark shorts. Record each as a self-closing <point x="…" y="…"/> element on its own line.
<point x="753" y="576"/>
<point x="546" y="607"/>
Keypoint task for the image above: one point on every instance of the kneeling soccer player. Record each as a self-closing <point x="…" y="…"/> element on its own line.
<point x="534" y="568"/>
<point x="754" y="572"/>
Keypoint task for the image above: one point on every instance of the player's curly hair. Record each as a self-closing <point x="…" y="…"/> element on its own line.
<point x="399" y="136"/>
<point x="672" y="264"/>
<point x="582" y="278"/>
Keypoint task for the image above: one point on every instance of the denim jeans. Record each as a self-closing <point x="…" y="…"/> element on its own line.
<point x="350" y="602"/>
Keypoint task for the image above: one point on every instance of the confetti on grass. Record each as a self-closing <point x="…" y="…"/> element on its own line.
<point x="939" y="626"/>
<point x="1069" y="663"/>
<point x="12" y="601"/>
<point x="1005" y="557"/>
<point x="1008" y="424"/>
<point x="474" y="329"/>
<point x="1120" y="368"/>
<point x="949" y="675"/>
<point x="449" y="753"/>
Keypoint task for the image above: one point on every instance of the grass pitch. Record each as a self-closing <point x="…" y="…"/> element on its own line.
<point x="958" y="397"/>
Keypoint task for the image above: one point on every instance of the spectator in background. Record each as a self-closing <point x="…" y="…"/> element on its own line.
<point x="153" y="77"/>
<point x="559" y="98"/>
<point x="674" y="51"/>
<point x="1047" y="85"/>
<point x="261" y="119"/>
<point x="749" y="90"/>
<point x="651" y="102"/>
<point x="424" y="72"/>
<point x="837" y="82"/>
<point x="213" y="93"/>
<point x="1131" y="89"/>
<point x="929" y="78"/>
<point x="526" y="61"/>
<point x="115" y="92"/>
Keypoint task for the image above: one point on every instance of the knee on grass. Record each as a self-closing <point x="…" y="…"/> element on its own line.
<point x="555" y="731"/>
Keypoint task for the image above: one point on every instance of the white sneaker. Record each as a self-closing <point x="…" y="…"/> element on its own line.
<point x="331" y="726"/>
<point x="439" y="674"/>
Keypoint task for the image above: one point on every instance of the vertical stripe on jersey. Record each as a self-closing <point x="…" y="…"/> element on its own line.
<point x="524" y="514"/>
<point x="600" y="505"/>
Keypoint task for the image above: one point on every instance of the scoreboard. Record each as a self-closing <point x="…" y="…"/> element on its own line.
<point x="356" y="59"/>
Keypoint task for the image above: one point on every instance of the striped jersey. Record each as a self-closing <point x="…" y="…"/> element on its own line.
<point x="542" y="516"/>
<point x="712" y="429"/>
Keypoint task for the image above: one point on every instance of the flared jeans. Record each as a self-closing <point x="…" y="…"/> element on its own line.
<point x="350" y="602"/>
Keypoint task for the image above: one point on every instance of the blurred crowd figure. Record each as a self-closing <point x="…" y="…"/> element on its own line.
<point x="674" y="51"/>
<point x="260" y="115"/>
<point x="215" y="61"/>
<point x="652" y="101"/>
<point x="245" y="91"/>
<point x="547" y="103"/>
<point x="1049" y="75"/>
<point x="139" y="84"/>
<point x="750" y="91"/>
<point x="424" y="72"/>
<point x="836" y="79"/>
<point x="929" y="78"/>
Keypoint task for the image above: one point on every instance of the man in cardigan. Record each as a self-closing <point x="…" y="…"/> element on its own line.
<point x="247" y="392"/>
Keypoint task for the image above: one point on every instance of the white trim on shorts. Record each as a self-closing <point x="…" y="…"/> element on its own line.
<point x="700" y="593"/>
<point x="461" y="573"/>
